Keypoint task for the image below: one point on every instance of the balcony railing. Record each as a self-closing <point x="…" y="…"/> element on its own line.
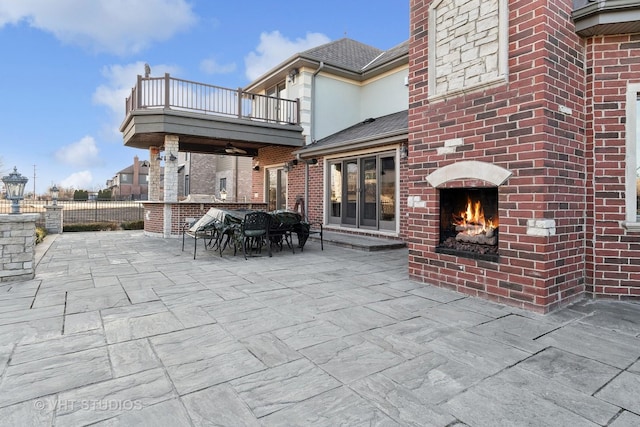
<point x="170" y="93"/>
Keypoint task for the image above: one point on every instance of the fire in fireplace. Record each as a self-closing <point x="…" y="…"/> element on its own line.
<point x="469" y="222"/>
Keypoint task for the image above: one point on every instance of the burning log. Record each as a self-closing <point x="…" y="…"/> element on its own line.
<point x="479" y="239"/>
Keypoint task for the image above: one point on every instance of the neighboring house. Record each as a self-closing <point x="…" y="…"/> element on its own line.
<point x="131" y="183"/>
<point x="530" y="109"/>
<point x="202" y="175"/>
<point x="353" y="109"/>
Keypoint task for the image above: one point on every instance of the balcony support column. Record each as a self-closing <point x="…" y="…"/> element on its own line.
<point x="154" y="174"/>
<point x="171" y="146"/>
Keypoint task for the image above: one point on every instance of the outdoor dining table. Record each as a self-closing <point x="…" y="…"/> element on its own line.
<point x="227" y="224"/>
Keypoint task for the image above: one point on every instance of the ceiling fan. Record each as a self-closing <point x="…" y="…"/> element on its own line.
<point x="230" y="149"/>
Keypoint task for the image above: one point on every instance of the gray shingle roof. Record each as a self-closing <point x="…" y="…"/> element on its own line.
<point x="390" y="55"/>
<point x="344" y="53"/>
<point x="367" y="129"/>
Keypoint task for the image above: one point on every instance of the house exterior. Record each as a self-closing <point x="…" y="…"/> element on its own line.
<point x="201" y="175"/>
<point x="500" y="142"/>
<point x="353" y="111"/>
<point x="529" y="109"/>
<point x="132" y="182"/>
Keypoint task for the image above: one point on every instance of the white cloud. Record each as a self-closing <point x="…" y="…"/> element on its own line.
<point x="115" y="26"/>
<point x="119" y="81"/>
<point x="211" y="66"/>
<point x="275" y="48"/>
<point x="78" y="180"/>
<point x="82" y="153"/>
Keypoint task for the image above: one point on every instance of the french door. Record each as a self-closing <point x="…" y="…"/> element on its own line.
<point x="276" y="189"/>
<point x="362" y="192"/>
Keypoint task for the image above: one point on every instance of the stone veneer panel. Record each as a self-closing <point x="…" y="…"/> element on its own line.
<point x="465" y="46"/>
<point x="17" y="241"/>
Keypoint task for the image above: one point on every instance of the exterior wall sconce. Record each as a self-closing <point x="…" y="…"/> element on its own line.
<point x="14" y="184"/>
<point x="54" y="195"/>
<point x="404" y="151"/>
<point x="170" y="158"/>
<point x="287" y="167"/>
<point x="223" y="195"/>
<point x="292" y="74"/>
<point x="256" y="167"/>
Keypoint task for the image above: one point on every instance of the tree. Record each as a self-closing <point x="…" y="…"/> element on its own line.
<point x="81" y="195"/>
<point x="104" y="195"/>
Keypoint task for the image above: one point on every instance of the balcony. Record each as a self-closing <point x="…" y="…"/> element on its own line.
<point x="207" y="118"/>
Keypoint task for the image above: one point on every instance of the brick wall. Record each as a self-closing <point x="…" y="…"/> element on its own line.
<point x="154" y="214"/>
<point x="202" y="174"/>
<point x="519" y="126"/>
<point x="613" y="253"/>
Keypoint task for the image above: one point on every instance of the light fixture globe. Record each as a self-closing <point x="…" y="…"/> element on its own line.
<point x="14" y="184"/>
<point x="54" y="195"/>
<point x="223" y="195"/>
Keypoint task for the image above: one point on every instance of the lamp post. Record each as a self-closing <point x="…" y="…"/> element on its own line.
<point x="14" y="184"/>
<point x="223" y="195"/>
<point x="54" y="195"/>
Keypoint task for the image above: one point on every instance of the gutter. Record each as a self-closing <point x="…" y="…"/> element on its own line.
<point x="370" y="141"/>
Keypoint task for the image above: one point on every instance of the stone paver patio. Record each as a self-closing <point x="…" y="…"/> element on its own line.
<point x="122" y="329"/>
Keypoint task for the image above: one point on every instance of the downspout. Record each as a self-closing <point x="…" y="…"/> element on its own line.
<point x="312" y="133"/>
<point x="235" y="179"/>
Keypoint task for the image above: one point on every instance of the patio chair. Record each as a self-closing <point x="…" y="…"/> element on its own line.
<point x="282" y="227"/>
<point x="254" y="232"/>
<point x="206" y="229"/>
<point x="304" y="229"/>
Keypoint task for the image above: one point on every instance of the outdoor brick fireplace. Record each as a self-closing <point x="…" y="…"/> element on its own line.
<point x="469" y="222"/>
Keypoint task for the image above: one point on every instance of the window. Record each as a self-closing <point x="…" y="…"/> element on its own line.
<point x="125" y="178"/>
<point x="633" y="157"/>
<point x="223" y="184"/>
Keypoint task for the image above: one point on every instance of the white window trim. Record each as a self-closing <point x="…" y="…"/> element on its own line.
<point x="631" y="215"/>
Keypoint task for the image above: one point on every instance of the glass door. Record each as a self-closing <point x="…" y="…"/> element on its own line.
<point x="369" y="193"/>
<point x="276" y="189"/>
<point x="351" y="187"/>
<point x="387" y="192"/>
<point x="335" y="193"/>
<point x="362" y="192"/>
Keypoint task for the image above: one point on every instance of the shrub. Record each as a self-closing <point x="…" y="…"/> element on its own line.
<point x="133" y="225"/>
<point x="92" y="226"/>
<point x="40" y="234"/>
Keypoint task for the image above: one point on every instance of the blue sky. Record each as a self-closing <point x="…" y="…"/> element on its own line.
<point x="67" y="66"/>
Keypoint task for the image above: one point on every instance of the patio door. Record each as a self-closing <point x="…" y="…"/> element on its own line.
<point x="276" y="189"/>
<point x="362" y="192"/>
<point x="274" y="107"/>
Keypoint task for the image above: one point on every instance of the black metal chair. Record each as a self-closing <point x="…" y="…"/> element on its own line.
<point x="254" y="232"/>
<point x="283" y="225"/>
<point x="206" y="228"/>
<point x="304" y="229"/>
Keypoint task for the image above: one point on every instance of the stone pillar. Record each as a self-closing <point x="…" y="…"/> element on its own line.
<point x="154" y="174"/>
<point x="53" y="219"/>
<point x="170" y="168"/>
<point x="17" y="239"/>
